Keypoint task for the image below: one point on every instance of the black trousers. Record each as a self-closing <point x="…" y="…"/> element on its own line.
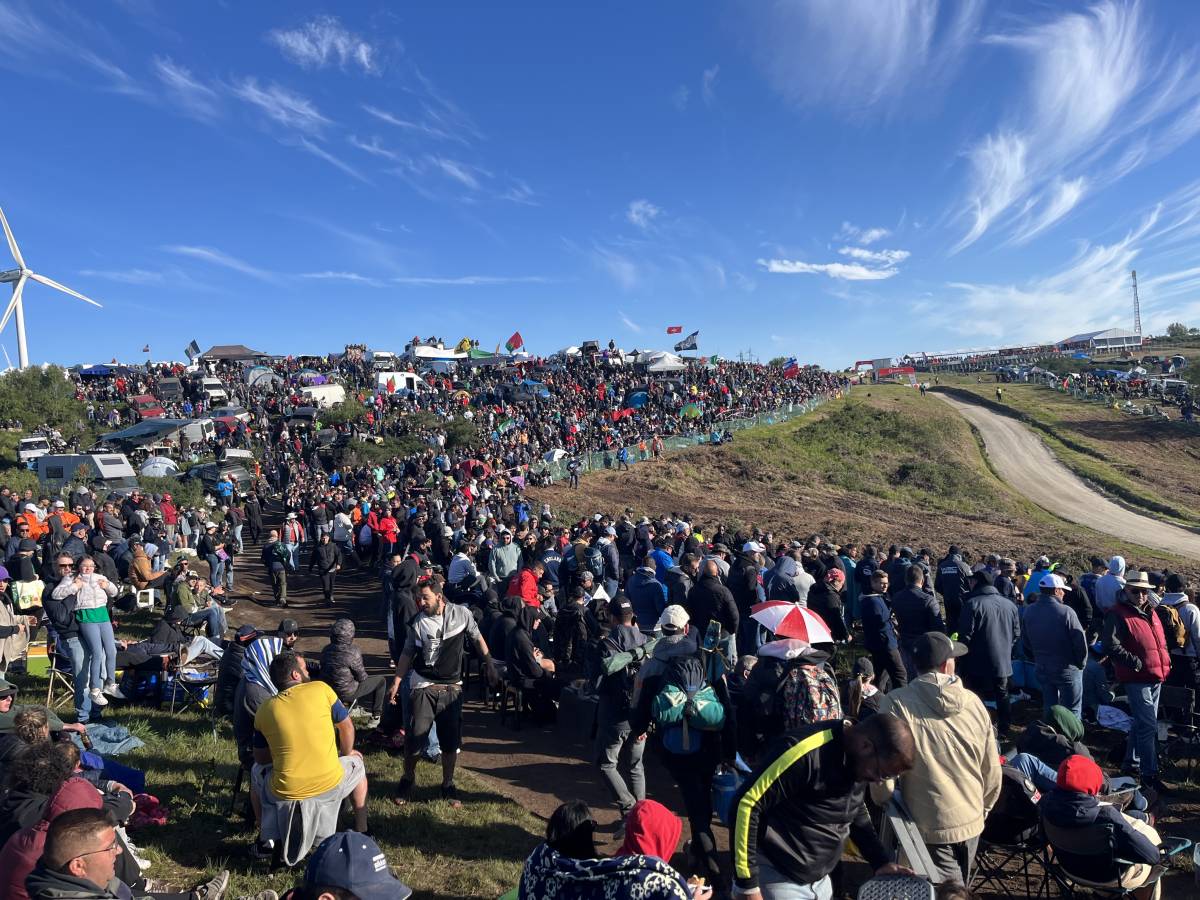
<point x="889" y="669"/>
<point x="693" y="773"/>
<point x="374" y="687"/>
<point x="996" y="690"/>
<point x="327" y="582"/>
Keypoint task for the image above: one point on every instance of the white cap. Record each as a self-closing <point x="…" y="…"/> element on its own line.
<point x="753" y="547"/>
<point x="1050" y="580"/>
<point x="673" y="618"/>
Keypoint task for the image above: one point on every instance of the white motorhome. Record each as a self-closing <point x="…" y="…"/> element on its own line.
<point x="213" y="390"/>
<point x="324" y="395"/>
<point x="110" y="471"/>
<point x="400" y="381"/>
<point x="381" y="359"/>
<point x="31" y="448"/>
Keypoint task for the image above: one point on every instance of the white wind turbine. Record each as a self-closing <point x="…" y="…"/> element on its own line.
<point x="17" y="278"/>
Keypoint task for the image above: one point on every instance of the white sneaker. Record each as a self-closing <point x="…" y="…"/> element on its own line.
<point x="113" y="691"/>
<point x="98" y="698"/>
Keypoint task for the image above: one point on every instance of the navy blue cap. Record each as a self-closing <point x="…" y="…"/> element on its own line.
<point x="353" y="862"/>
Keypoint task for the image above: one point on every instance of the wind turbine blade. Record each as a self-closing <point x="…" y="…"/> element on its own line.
<point x="12" y="241"/>
<point x="50" y="282"/>
<point x="12" y="305"/>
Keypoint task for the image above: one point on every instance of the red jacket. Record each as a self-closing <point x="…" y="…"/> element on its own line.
<point x="24" y="848"/>
<point x="1138" y="633"/>
<point x="525" y="586"/>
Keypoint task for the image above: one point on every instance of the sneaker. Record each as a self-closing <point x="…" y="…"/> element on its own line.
<point x="113" y="691"/>
<point x="262" y="849"/>
<point x="372" y="723"/>
<point x="213" y="889"/>
<point x="98" y="698"/>
<point x="450" y="795"/>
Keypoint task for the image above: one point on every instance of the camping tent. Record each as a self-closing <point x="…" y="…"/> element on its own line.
<point x="158" y="467"/>
<point x="661" y="361"/>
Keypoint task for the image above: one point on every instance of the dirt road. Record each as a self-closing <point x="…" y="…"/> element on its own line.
<point x="1022" y="460"/>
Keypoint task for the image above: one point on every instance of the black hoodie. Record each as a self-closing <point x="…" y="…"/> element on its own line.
<point x="521" y="659"/>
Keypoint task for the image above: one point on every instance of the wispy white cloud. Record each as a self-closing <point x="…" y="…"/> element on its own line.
<point x="623" y="270"/>
<point x="863" y="236"/>
<point x="374" y="146"/>
<point x="349" y="277"/>
<point x="322" y="42"/>
<point x="282" y="106"/>
<point x="1104" y="95"/>
<point x="518" y="192"/>
<point x="855" y="55"/>
<point x="190" y="95"/>
<point x="216" y="257"/>
<point x="642" y="213"/>
<point x="680" y="97"/>
<point x="629" y="323"/>
<point x="321" y="153"/>
<point x="884" y="257"/>
<point x="126" y="276"/>
<point x="843" y="271"/>
<point x="469" y="280"/>
<point x="466" y="175"/>
<point x="55" y="49"/>
<point x="708" y="85"/>
<point x="422" y="128"/>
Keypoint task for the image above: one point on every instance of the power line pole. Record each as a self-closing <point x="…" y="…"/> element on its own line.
<point x="1137" y="306"/>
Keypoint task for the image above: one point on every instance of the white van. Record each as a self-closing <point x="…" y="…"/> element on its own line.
<point x="31" y="448"/>
<point x="110" y="471"/>
<point x="198" y="431"/>
<point x="213" y="390"/>
<point x="400" y="380"/>
<point x="324" y="395"/>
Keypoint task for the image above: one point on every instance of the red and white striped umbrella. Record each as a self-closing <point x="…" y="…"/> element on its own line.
<point x="786" y="619"/>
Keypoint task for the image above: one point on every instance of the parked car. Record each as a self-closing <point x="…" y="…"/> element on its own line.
<point x="210" y="473"/>
<point x="147" y="406"/>
<point x="30" y="448"/>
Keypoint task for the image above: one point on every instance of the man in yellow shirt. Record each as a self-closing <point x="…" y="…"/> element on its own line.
<point x="306" y="764"/>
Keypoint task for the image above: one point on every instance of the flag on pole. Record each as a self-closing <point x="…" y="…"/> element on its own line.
<point x="688" y="343"/>
<point x="674" y="329"/>
<point x="192" y="351"/>
<point x="791" y="368"/>
<point x="516" y="342"/>
<point x="146" y="349"/>
<point x="391" y="384"/>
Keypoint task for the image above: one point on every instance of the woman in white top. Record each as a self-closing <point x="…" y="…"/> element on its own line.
<point x="92" y="593"/>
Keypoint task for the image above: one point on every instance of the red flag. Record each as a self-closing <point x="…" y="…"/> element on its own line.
<point x="516" y="342"/>
<point x="391" y="385"/>
<point x="674" y="329"/>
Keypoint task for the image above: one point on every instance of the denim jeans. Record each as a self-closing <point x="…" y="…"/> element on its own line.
<point x="293" y="555"/>
<point x="80" y="665"/>
<point x="774" y="885"/>
<point x="237" y="538"/>
<point x="216" y="569"/>
<point x="213" y="618"/>
<point x="1141" y="748"/>
<point x="610" y="739"/>
<point x="1043" y="777"/>
<point x="1061" y="687"/>
<point x="102" y="652"/>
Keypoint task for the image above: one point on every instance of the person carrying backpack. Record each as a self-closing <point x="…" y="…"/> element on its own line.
<point x="618" y="657"/>
<point x="1181" y="627"/>
<point x="692" y="729"/>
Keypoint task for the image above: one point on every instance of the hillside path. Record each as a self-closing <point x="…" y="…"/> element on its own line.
<point x="1022" y="460"/>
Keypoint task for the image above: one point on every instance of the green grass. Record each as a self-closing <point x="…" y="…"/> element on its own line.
<point x="440" y="852"/>
<point x="895" y="445"/>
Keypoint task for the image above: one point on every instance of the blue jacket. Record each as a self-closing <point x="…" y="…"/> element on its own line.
<point x="1068" y="809"/>
<point x="648" y="597"/>
<point x="989" y="626"/>
<point x="662" y="564"/>
<point x="878" y="633"/>
<point x="917" y="611"/>
<point x="1053" y="635"/>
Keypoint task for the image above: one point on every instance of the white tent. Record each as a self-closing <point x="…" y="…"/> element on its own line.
<point x="568" y="351"/>
<point x="661" y="361"/>
<point x="158" y="467"/>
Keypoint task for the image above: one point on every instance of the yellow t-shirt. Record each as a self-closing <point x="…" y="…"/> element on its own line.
<point x="297" y="724"/>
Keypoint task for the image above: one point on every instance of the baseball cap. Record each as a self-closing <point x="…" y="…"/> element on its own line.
<point x="1078" y="773"/>
<point x="245" y="634"/>
<point x="753" y="547"/>
<point x="353" y="862"/>
<point x="610" y="531"/>
<point x="289" y="626"/>
<point x="933" y="648"/>
<point x="619" y="605"/>
<point x="673" y="619"/>
<point x="7" y="689"/>
<point x="1043" y="562"/>
<point x="1050" y="580"/>
<point x="80" y="526"/>
<point x="58" y="504"/>
<point x="4" y="576"/>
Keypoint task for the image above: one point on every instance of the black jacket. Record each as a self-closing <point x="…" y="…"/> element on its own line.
<point x="710" y="599"/>
<point x="229" y="673"/>
<point x="800" y="807"/>
<point x="327" y="558"/>
<point x="1071" y="809"/>
<point x="342" y="662"/>
<point x="743" y="582"/>
<point x="917" y="612"/>
<point x="679" y="585"/>
<point x="61" y="613"/>
<point x="953" y="580"/>
<point x="989" y="625"/>
<point x="521" y="659"/>
<point x="570" y="639"/>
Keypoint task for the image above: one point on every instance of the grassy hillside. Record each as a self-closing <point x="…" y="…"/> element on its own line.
<point x="883" y="465"/>
<point x="1143" y="462"/>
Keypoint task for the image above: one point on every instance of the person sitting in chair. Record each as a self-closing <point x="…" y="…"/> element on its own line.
<point x="1073" y="804"/>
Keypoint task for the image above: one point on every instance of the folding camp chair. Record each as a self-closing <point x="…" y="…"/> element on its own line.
<point x="1177" y="710"/>
<point x="189" y="686"/>
<point x="1085" y="859"/>
<point x="60" y="691"/>
<point x="899" y="829"/>
<point x="1011" y="834"/>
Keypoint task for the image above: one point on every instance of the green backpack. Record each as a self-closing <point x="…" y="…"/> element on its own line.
<point x="686" y="702"/>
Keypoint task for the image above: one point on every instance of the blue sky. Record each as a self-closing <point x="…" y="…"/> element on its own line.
<point x="834" y="180"/>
